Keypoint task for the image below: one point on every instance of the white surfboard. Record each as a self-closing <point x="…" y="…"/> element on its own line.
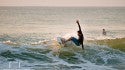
<point x="60" y="41"/>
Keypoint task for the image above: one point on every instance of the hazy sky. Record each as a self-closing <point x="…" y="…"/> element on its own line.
<point x="62" y="2"/>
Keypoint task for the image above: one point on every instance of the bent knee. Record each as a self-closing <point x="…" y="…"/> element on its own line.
<point x="71" y="38"/>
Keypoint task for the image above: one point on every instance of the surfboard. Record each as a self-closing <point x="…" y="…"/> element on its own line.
<point x="60" y="41"/>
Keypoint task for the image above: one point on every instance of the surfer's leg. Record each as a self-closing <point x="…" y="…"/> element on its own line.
<point x="69" y="39"/>
<point x="75" y="41"/>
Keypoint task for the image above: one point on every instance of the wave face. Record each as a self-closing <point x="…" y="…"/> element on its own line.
<point x="27" y="52"/>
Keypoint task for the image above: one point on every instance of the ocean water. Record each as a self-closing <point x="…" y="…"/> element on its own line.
<point x="28" y="38"/>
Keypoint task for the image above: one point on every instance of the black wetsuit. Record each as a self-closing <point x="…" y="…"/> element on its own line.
<point x="81" y="37"/>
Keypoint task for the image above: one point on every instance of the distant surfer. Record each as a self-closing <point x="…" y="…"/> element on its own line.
<point x="80" y="39"/>
<point x="103" y="32"/>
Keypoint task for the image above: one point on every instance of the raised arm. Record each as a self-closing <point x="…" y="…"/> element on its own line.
<point x="77" y="21"/>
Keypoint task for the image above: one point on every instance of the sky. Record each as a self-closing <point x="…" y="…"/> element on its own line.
<point x="62" y="3"/>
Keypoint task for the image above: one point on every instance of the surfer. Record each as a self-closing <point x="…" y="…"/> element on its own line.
<point x="103" y="32"/>
<point x="80" y="39"/>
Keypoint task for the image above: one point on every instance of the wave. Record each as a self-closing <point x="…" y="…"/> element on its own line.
<point x="35" y="52"/>
<point x="71" y="57"/>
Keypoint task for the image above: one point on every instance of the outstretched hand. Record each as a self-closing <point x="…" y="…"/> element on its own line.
<point x="77" y="21"/>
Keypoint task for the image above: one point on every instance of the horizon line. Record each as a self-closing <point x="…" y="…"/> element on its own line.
<point x="53" y="6"/>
